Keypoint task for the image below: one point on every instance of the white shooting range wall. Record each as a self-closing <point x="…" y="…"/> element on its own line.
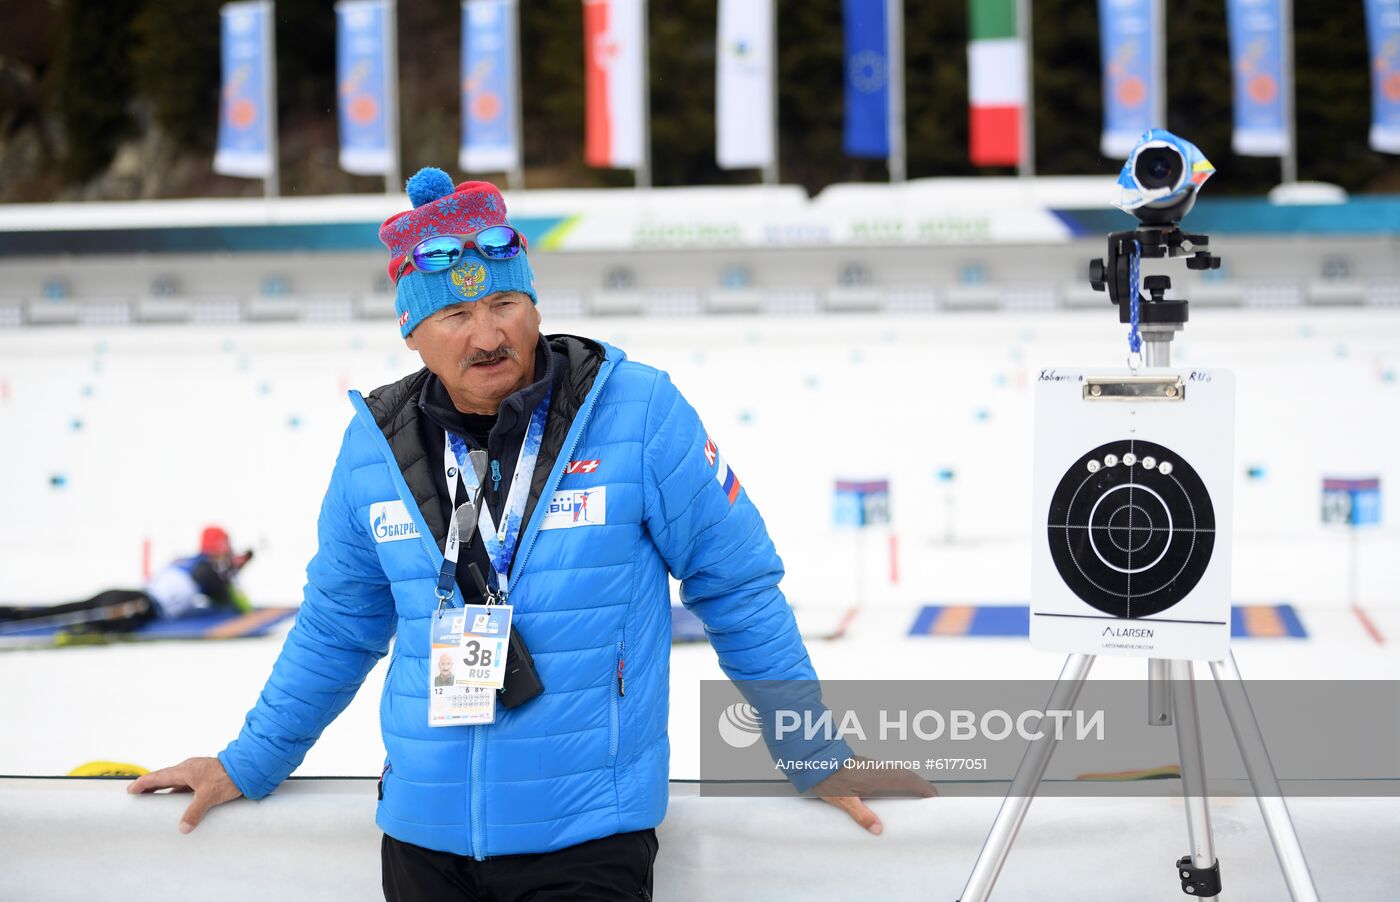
<point x="316" y="840"/>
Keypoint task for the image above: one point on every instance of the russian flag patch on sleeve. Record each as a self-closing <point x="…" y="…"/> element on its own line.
<point x="723" y="474"/>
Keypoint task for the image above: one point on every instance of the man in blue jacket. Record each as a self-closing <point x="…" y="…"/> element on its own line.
<point x="519" y="487"/>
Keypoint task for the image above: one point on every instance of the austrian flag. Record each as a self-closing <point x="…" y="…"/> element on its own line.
<point x="723" y="474"/>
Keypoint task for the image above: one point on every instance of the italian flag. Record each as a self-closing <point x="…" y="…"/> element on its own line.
<point x="613" y="89"/>
<point x="996" y="80"/>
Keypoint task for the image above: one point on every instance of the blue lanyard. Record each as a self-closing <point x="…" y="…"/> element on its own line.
<point x="500" y="540"/>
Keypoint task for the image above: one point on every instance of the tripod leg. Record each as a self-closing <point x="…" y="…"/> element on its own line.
<point x="1023" y="786"/>
<point x="1265" y="782"/>
<point x="1199" y="871"/>
<point x="1159" y="693"/>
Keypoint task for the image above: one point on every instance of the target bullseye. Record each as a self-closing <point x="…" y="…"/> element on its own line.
<point x="1131" y="528"/>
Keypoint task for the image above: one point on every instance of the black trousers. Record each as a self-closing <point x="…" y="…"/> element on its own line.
<point x="113" y="611"/>
<point x="612" y="869"/>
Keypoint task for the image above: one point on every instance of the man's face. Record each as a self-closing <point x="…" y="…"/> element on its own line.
<point x="482" y="350"/>
<point x="445" y="665"/>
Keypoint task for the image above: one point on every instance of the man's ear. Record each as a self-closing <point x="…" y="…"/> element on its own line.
<point x="408" y="340"/>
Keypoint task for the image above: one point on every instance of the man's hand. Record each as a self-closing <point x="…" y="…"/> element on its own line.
<point x="847" y="787"/>
<point x="205" y="777"/>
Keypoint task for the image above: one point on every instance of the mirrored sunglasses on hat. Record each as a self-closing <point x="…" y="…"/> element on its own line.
<point x="441" y="252"/>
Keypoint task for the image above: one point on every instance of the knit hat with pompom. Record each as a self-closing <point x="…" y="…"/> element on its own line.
<point x="440" y="209"/>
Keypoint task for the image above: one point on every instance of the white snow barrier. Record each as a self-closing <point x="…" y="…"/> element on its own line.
<point x="315" y="839"/>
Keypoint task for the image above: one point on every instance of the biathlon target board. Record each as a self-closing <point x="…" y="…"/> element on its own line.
<point x="1133" y="504"/>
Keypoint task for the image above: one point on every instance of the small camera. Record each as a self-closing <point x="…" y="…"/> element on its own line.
<point x="1159" y="182"/>
<point x="1158" y="185"/>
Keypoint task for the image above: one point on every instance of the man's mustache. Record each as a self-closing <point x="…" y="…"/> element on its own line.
<point x="502" y="353"/>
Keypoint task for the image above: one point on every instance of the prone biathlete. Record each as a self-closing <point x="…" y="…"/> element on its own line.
<point x="185" y="586"/>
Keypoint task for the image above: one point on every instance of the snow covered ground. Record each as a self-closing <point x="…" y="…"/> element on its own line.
<point x="111" y="439"/>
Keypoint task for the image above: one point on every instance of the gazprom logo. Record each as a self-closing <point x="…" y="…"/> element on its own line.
<point x="390" y="521"/>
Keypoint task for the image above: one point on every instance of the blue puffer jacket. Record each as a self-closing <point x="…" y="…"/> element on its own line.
<point x="584" y="760"/>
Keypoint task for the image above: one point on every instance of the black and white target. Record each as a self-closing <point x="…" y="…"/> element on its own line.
<point x="1131" y="528"/>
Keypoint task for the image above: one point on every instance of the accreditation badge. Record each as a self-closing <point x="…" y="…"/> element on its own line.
<point x="482" y="652"/>
<point x="452" y="701"/>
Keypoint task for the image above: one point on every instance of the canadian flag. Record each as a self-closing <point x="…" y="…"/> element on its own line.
<point x="614" y="41"/>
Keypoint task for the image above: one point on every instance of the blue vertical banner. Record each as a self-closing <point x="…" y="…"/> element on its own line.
<point x="867" y="131"/>
<point x="247" y="144"/>
<point x="1127" y="42"/>
<point x="365" y="64"/>
<point x="1383" y="27"/>
<point x="1256" y="63"/>
<point x="490" y="87"/>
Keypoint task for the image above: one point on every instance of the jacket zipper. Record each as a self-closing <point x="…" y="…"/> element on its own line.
<point x="621" y="648"/>
<point x="614" y="703"/>
<point x="479" y="736"/>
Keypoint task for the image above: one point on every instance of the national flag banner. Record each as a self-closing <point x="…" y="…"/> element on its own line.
<point x="996" y="81"/>
<point x="1383" y="28"/>
<point x="364" y="57"/>
<point x="744" y="84"/>
<point x="1127" y="43"/>
<point x="867" y="128"/>
<point x="613" y="90"/>
<point x="246" y="143"/>
<point x="489" y="87"/>
<point x="1256" y="60"/>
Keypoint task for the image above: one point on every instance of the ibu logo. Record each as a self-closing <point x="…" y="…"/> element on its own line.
<point x="578" y="507"/>
<point x="390" y="521"/>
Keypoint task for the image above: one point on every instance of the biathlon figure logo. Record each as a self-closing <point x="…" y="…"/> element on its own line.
<point x="581" y="507"/>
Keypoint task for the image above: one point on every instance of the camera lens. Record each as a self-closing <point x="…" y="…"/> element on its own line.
<point x="1159" y="167"/>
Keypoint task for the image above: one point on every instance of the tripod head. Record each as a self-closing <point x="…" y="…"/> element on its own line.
<point x="1115" y="272"/>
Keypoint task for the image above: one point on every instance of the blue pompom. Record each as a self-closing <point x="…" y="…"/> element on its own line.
<point x="427" y="185"/>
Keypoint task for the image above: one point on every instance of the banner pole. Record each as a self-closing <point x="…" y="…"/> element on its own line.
<point x="1159" y="64"/>
<point x="515" y="179"/>
<point x="894" y="37"/>
<point x="270" y="184"/>
<point x="770" y="171"/>
<point x="643" y="174"/>
<point x="1290" y="153"/>
<point x="1026" y="165"/>
<point x="394" y="174"/>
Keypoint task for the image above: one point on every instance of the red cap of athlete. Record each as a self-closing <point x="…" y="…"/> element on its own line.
<point x="214" y="541"/>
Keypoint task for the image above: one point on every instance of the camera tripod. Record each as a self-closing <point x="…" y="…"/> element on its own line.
<point x="1171" y="684"/>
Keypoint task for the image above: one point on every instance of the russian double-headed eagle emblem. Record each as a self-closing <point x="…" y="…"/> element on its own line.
<point x="469" y="280"/>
